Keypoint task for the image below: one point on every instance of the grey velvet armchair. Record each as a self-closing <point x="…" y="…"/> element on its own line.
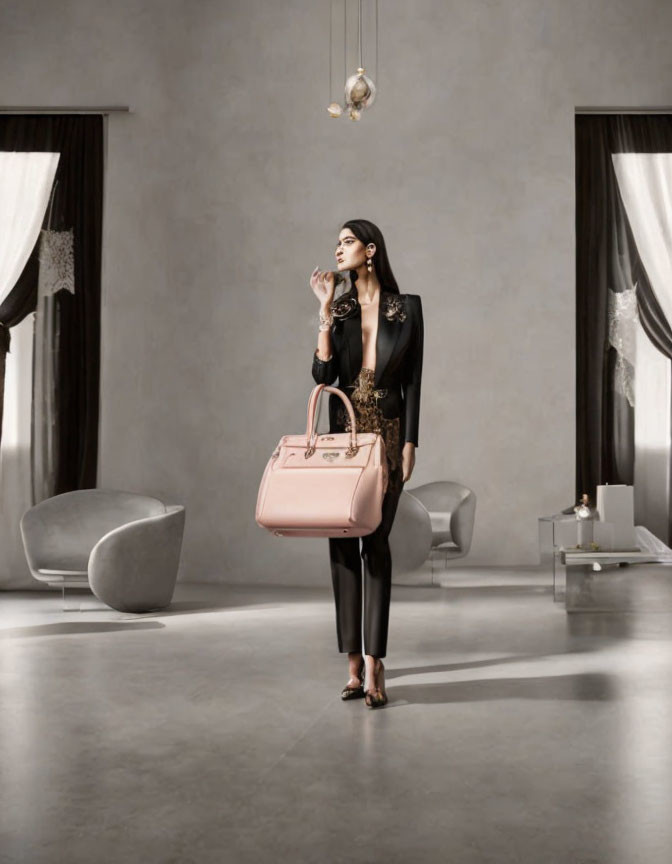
<point x="125" y="547"/>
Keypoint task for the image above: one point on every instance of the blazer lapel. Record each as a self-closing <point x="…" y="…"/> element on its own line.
<point x="352" y="339"/>
<point x="386" y="340"/>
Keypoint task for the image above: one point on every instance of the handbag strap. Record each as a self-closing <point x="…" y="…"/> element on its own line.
<point x="317" y="391"/>
<point x="312" y="407"/>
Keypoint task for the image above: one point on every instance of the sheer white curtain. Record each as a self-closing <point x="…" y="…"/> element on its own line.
<point x="652" y="436"/>
<point x="26" y="180"/>
<point x="15" y="458"/>
<point x="645" y="184"/>
<point x="25" y="184"/>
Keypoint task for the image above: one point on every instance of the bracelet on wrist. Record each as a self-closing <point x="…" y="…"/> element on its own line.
<point x="326" y="320"/>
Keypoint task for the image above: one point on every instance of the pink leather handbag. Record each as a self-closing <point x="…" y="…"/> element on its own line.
<point x="329" y="485"/>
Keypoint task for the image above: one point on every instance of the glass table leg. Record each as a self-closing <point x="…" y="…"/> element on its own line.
<point x="73" y="597"/>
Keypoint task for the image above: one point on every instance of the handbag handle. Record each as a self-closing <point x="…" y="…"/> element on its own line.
<point x="311" y="436"/>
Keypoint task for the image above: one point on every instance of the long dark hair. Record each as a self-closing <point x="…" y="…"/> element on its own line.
<point x="367" y="232"/>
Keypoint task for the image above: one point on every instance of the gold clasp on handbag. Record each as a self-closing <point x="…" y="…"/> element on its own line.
<point x="351" y="451"/>
<point x="309" y="452"/>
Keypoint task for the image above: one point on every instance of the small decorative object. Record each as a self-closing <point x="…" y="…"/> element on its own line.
<point x="360" y="90"/>
<point x="585" y="515"/>
<point x="347" y="306"/>
<point x="395" y="308"/>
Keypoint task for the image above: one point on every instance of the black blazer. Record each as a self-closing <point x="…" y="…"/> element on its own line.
<point x="399" y="346"/>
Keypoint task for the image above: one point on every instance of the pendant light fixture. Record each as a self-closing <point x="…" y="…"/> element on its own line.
<point x="360" y="90"/>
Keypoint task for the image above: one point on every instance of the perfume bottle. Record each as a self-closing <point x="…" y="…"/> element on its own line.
<point x="585" y="516"/>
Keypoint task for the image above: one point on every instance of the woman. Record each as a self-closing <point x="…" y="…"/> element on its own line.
<point x="371" y="337"/>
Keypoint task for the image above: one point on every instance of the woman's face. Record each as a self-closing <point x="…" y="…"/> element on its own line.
<point x="350" y="252"/>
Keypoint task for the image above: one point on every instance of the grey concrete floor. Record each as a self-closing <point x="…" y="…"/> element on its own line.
<point x="214" y="732"/>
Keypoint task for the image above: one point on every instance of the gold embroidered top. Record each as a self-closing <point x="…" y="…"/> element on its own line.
<point x="369" y="415"/>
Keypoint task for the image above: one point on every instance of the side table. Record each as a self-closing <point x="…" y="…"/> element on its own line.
<point x="550" y="544"/>
<point x="619" y="581"/>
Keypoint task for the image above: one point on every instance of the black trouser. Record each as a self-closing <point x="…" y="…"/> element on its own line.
<point x="346" y="577"/>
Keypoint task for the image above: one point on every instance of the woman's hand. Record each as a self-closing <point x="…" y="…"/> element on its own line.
<point x="407" y="460"/>
<point x="323" y="284"/>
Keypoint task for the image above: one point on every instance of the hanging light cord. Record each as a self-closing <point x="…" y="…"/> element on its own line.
<point x="331" y="39"/>
<point x="345" y="39"/>
<point x="359" y="34"/>
<point x="377" y="43"/>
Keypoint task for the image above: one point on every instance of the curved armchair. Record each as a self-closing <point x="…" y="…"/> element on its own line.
<point x="452" y="508"/>
<point x="434" y="520"/>
<point x="411" y="535"/>
<point x="126" y="547"/>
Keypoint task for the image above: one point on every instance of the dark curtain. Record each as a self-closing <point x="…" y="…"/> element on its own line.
<point x="607" y="259"/>
<point x="77" y="204"/>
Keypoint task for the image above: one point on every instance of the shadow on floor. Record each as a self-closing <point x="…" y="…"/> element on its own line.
<point x="447" y="593"/>
<point x="400" y="672"/>
<point x="586" y="687"/>
<point x="69" y="628"/>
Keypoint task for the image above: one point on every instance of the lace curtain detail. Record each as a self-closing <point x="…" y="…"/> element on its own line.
<point x="57" y="262"/>
<point x="623" y="320"/>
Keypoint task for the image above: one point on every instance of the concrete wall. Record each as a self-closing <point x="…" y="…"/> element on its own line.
<point x="228" y="183"/>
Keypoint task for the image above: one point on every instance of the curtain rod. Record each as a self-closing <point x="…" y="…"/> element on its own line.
<point x="104" y="109"/>
<point x="602" y="110"/>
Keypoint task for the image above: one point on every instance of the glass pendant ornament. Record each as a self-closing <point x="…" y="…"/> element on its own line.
<point x="360" y="91"/>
